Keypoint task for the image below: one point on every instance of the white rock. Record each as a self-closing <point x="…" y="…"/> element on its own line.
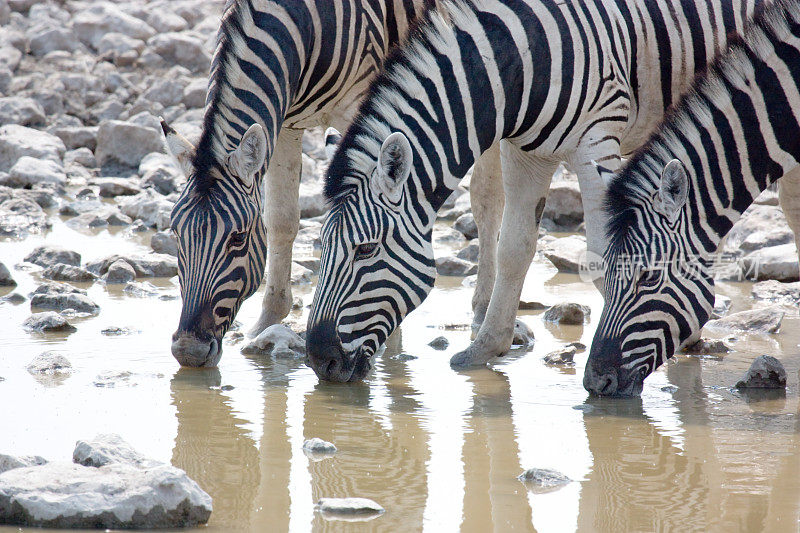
<point x="29" y="171"/>
<point x="466" y="225"/>
<point x="50" y="39"/>
<point x="348" y="508"/>
<point x="277" y="341"/>
<point x="163" y="21"/>
<point x="9" y="462"/>
<point x="181" y="49"/>
<point x="111" y="187"/>
<point x="523" y="334"/>
<point x="105" y="449"/>
<point x="119" y="272"/>
<point x="150" y="265"/>
<point x="300" y="274"/>
<point x="148" y="206"/>
<point x="61" y="272"/>
<point x="763" y="219"/>
<point x="194" y="94"/>
<point x="126" y="143"/>
<point x="166" y="92"/>
<point x="92" y="23"/>
<point x="20" y="110"/>
<point x="566" y="253"/>
<point x="61" y="296"/>
<point x="776" y="262"/>
<point x="78" y="137"/>
<point x="116" y="44"/>
<point x="787" y="293"/>
<point x="766" y="320"/>
<point x="80" y="156"/>
<point x="66" y="495"/>
<point x="18" y="141"/>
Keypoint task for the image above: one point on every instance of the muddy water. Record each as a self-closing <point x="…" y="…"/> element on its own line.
<point x="439" y="450"/>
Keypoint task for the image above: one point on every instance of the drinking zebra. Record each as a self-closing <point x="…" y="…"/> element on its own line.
<point x="733" y="135"/>
<point x="569" y="81"/>
<point x="280" y="66"/>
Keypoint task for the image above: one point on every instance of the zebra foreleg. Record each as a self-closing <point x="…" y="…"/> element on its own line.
<point x="526" y="180"/>
<point x="599" y="148"/>
<point x="486" y="197"/>
<point x="789" y="197"/>
<point x="282" y="216"/>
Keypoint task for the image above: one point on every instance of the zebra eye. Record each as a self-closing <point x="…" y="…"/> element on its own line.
<point x="648" y="279"/>
<point x="366" y="250"/>
<point x="237" y="239"/>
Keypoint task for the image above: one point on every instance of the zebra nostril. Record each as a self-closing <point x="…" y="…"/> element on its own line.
<point x="330" y="368"/>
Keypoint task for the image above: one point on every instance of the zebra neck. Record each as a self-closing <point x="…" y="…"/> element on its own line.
<point x="253" y="76"/>
<point x="736" y="132"/>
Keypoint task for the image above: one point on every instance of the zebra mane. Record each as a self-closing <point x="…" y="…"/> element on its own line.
<point x="634" y="185"/>
<point x="209" y="151"/>
<point x="361" y="143"/>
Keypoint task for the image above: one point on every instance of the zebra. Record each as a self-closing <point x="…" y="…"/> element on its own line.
<point x="735" y="133"/>
<point x="280" y="66"/>
<point x="551" y="82"/>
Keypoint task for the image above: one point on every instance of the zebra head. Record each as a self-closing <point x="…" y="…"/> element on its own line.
<point x="376" y="265"/>
<point x="658" y="291"/>
<point x="221" y="241"/>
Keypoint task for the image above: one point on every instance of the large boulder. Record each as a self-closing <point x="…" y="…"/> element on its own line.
<point x="18" y="141"/>
<point x="126" y="142"/>
<point x="118" y="496"/>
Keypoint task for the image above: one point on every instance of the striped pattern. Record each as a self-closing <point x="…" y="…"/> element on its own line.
<point x="736" y="132"/>
<point x="472" y="74"/>
<point x="278" y="63"/>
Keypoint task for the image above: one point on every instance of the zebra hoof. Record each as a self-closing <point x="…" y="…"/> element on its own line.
<point x="467" y="359"/>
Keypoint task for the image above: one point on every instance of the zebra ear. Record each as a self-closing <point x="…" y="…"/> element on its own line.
<point x="179" y="147"/>
<point x="249" y="157"/>
<point x="606" y="174"/>
<point x="394" y="164"/>
<point x="332" y="140"/>
<point x="673" y="190"/>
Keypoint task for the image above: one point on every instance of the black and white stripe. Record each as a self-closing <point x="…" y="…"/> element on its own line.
<point x="278" y="64"/>
<point x="570" y="81"/>
<point x="733" y="135"/>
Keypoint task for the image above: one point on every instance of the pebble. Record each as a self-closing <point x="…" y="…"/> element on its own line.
<point x="562" y="357"/>
<point x="317" y="447"/>
<point x="49" y="363"/>
<point x="439" y="343"/>
<point x="543" y="479"/>
<point x="348" y="508"/>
